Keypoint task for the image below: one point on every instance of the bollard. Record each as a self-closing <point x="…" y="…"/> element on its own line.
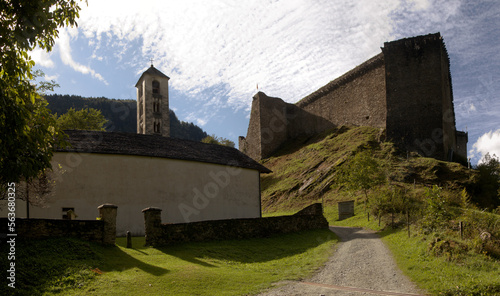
<point x="129" y="240"/>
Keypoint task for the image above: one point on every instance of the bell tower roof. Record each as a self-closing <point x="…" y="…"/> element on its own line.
<point x="153" y="72"/>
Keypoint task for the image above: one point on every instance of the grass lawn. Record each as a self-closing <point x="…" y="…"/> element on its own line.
<point x="236" y="267"/>
<point x="474" y="274"/>
<point x="471" y="274"/>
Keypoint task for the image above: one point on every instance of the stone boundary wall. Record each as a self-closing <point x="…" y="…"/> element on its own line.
<point x="158" y="234"/>
<point x="102" y="231"/>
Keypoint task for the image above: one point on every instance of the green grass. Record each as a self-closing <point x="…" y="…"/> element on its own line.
<point x="306" y="171"/>
<point x="474" y="274"/>
<point x="236" y="267"/>
<point x="470" y="274"/>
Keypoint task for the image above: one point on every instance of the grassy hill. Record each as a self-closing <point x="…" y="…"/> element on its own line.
<point x="307" y="169"/>
<point x="416" y="209"/>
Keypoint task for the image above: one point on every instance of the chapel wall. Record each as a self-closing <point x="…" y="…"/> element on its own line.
<point x="187" y="191"/>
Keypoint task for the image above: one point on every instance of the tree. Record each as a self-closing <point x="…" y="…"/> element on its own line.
<point x="362" y="173"/>
<point x="85" y="119"/>
<point x="43" y="86"/>
<point x="28" y="132"/>
<point x="213" y="139"/>
<point x="489" y="181"/>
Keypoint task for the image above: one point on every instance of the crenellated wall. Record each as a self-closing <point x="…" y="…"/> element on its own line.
<point x="406" y="89"/>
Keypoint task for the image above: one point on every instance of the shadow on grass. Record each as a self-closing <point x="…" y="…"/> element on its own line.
<point x="118" y="260"/>
<point x="138" y="245"/>
<point x="56" y="263"/>
<point x="250" y="250"/>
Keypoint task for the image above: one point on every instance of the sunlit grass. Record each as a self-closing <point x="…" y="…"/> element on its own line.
<point x="235" y="267"/>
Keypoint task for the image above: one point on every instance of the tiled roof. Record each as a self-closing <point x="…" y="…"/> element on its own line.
<point x="157" y="146"/>
<point x="152" y="71"/>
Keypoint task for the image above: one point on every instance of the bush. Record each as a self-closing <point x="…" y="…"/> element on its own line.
<point x="437" y="210"/>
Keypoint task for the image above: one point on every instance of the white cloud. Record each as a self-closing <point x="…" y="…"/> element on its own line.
<point x="42" y="58"/>
<point x="66" y="57"/>
<point x="420" y="4"/>
<point x="290" y="48"/>
<point x="487" y="143"/>
<point x="51" y="77"/>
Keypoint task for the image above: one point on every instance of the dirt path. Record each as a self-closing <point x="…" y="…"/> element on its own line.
<point x="361" y="265"/>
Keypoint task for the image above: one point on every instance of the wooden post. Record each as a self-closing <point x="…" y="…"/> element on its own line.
<point x="408" y="221"/>
<point x="27" y="201"/>
<point x="379" y="219"/>
<point x="461" y="228"/>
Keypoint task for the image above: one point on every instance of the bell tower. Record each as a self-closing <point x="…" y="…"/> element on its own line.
<point x="153" y="113"/>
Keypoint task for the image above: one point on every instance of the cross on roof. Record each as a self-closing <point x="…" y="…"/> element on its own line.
<point x="152" y="62"/>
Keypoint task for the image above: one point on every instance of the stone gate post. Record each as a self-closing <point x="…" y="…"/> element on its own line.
<point x="152" y="222"/>
<point x="107" y="213"/>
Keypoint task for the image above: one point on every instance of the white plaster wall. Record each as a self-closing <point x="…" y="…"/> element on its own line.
<point x="186" y="191"/>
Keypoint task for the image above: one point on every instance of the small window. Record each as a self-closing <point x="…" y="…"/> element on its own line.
<point x="156" y="87"/>
<point x="68" y="213"/>
<point x="156" y="127"/>
<point x="156" y="106"/>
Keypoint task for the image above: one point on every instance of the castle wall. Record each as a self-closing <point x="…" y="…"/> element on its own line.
<point x="462" y="139"/>
<point x="419" y="96"/>
<point x="273" y="121"/>
<point x="356" y="98"/>
<point x="406" y="89"/>
<point x="449" y="130"/>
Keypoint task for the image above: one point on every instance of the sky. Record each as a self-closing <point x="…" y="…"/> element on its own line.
<point x="217" y="52"/>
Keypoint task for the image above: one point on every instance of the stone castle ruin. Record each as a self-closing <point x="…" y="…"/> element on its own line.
<point x="406" y="90"/>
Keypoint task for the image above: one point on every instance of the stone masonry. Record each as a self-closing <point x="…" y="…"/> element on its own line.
<point x="158" y="234"/>
<point x="406" y="90"/>
<point x="101" y="231"/>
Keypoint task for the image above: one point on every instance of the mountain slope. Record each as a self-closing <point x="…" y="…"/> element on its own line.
<point x="121" y="115"/>
<point x="306" y="169"/>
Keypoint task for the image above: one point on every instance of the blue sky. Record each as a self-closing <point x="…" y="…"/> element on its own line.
<point x="216" y="52"/>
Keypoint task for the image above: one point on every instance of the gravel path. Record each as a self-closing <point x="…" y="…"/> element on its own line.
<point x="361" y="265"/>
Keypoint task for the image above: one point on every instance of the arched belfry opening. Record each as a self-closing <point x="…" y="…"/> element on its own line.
<point x="152" y="103"/>
<point x="156" y="87"/>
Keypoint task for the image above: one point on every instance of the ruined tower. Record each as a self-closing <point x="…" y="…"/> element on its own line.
<point x="406" y="90"/>
<point x="152" y="103"/>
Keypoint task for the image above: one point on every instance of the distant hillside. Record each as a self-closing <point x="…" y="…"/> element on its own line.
<point x="305" y="170"/>
<point x="121" y="114"/>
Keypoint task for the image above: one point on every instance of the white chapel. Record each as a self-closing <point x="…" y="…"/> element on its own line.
<point x="190" y="181"/>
